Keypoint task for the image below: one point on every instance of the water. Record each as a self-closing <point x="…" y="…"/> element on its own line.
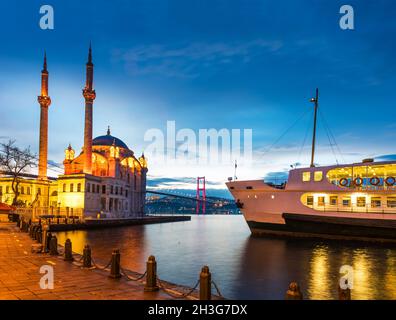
<point x="242" y="266"/>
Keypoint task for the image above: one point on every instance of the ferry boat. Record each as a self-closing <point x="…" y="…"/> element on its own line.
<point x="354" y="201"/>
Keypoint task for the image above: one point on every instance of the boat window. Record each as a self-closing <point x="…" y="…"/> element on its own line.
<point x="306" y="176"/>
<point x="361" y="201"/>
<point x="391" y="202"/>
<point x="249" y="187"/>
<point x="346" y="202"/>
<point x="375" y="202"/>
<point x="318" y="175"/>
<point x="333" y="200"/>
<point x="310" y="201"/>
<point x="321" y="201"/>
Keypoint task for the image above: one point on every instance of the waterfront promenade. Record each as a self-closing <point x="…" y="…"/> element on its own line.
<point x="20" y="276"/>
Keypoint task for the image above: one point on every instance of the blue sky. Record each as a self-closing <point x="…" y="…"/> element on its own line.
<point x="205" y="64"/>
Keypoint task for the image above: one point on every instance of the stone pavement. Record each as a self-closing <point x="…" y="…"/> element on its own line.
<point x="20" y="275"/>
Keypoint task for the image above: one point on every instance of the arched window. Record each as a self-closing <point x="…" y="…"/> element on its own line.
<point x="28" y="190"/>
<point x="22" y="190"/>
<point x="64" y="187"/>
<point x="71" y="187"/>
<point x="79" y="187"/>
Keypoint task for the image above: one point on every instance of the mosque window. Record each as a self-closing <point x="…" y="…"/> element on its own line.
<point x="64" y="187"/>
<point x="126" y="193"/>
<point x="88" y="187"/>
<point x="104" y="189"/>
<point x="116" y="190"/>
<point x="111" y="189"/>
<point x="79" y="187"/>
<point x="71" y="187"/>
<point x="97" y="188"/>
<point x="103" y="203"/>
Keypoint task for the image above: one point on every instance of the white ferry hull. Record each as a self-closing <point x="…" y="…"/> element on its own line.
<point x="280" y="212"/>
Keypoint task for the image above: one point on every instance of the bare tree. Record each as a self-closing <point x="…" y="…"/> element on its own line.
<point x="14" y="162"/>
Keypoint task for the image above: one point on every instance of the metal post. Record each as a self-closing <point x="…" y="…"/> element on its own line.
<point x="68" y="251"/>
<point x="315" y="100"/>
<point x="115" y="264"/>
<point x="205" y="284"/>
<point x="49" y="236"/>
<point x="294" y="292"/>
<point x="151" y="275"/>
<point x="54" y="246"/>
<point x="87" y="261"/>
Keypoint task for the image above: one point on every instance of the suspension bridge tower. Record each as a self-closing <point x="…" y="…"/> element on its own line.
<point x="201" y="195"/>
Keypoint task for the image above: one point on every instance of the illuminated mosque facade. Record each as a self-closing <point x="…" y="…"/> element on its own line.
<point x="105" y="180"/>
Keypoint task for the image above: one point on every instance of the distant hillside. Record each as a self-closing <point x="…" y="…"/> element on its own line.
<point x="172" y="205"/>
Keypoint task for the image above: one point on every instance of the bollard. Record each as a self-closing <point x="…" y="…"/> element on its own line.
<point x="344" y="294"/>
<point x="87" y="261"/>
<point x="68" y="251"/>
<point x="294" y="293"/>
<point x="44" y="240"/>
<point x="49" y="236"/>
<point x="21" y="224"/>
<point x="205" y="284"/>
<point x="30" y="230"/>
<point x="34" y="232"/>
<point x="53" y="246"/>
<point x="39" y="235"/>
<point x="115" y="265"/>
<point x="151" y="275"/>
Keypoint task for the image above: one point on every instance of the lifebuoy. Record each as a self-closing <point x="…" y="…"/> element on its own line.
<point x="344" y="182"/>
<point x="390" y="181"/>
<point x="356" y="183"/>
<point x="375" y="181"/>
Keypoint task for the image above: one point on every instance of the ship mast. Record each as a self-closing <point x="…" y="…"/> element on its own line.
<point x="315" y="100"/>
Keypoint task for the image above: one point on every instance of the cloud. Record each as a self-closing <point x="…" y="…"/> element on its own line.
<point x="187" y="61"/>
<point x="386" y="157"/>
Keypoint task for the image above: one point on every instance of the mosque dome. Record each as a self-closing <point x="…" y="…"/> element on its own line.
<point x="109" y="140"/>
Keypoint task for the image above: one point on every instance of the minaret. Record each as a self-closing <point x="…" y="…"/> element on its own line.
<point x="89" y="95"/>
<point x="44" y="100"/>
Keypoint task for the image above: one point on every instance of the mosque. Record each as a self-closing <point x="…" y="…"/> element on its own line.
<point x="106" y="180"/>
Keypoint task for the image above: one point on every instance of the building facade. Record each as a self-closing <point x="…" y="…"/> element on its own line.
<point x="105" y="180"/>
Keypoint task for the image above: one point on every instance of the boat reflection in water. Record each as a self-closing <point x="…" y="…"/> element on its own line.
<point x="269" y="265"/>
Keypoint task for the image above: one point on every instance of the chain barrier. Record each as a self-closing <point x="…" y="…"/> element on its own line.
<point x="123" y="272"/>
<point x="100" y="267"/>
<point x="179" y="295"/>
<point x="217" y="289"/>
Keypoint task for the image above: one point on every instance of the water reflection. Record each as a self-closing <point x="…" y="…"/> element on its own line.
<point x="245" y="267"/>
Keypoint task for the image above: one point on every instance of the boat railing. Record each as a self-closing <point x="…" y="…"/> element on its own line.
<point x="354" y="209"/>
